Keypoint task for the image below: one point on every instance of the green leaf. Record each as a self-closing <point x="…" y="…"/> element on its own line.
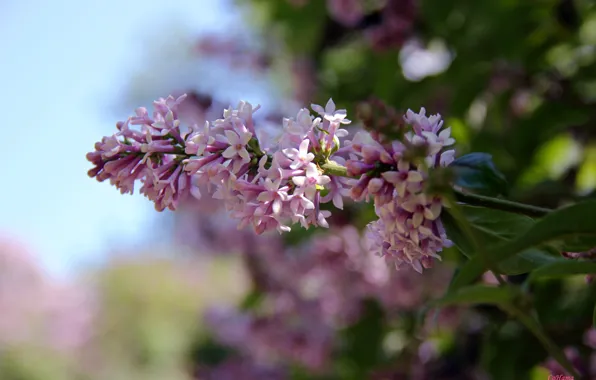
<point x="478" y="294"/>
<point x="526" y="261"/>
<point x="577" y="244"/>
<point x="477" y="172"/>
<point x="252" y="300"/>
<point x="363" y="341"/>
<point x="562" y="225"/>
<point x="562" y="268"/>
<point x="493" y="227"/>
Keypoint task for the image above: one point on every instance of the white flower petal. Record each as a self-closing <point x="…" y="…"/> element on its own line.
<point x="245" y="138"/>
<point x="338" y="201"/>
<point x="232" y="137"/>
<point x="417" y="219"/>
<point x="276" y="206"/>
<point x="244" y="154"/>
<point x="318" y="109"/>
<point x="323" y="180"/>
<point x="303" y="148"/>
<point x="391" y="177"/>
<point x="311" y="170"/>
<point x="230" y="152"/>
<point x="410" y="205"/>
<point x="414" y="176"/>
<point x="330" y="106"/>
<point x="299" y="180"/>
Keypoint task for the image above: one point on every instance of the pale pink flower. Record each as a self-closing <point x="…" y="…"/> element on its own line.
<point x="301" y="157"/>
<point x="403" y="177"/>
<point x="308" y="183"/>
<point x="237" y="146"/>
<point x="330" y="113"/>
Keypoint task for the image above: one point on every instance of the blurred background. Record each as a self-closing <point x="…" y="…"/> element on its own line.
<point x="96" y="285"/>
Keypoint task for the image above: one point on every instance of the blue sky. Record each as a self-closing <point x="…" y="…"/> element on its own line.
<point x="64" y="64"/>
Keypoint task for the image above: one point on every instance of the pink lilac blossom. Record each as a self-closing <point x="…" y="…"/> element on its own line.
<point x="37" y="309"/>
<point x="574" y="357"/>
<point x="408" y="231"/>
<point x="341" y="274"/>
<point x="395" y="27"/>
<point x="398" y="18"/>
<point x="291" y="332"/>
<point x="241" y="368"/>
<point x="265" y="187"/>
<point x="584" y="362"/>
<point x="347" y="12"/>
<point x="234" y="52"/>
<point x="272" y="185"/>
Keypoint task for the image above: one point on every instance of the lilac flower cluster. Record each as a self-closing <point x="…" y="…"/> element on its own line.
<point x="151" y="155"/>
<point x="396" y="25"/>
<point x="271" y="185"/>
<point x="398" y="19"/>
<point x="260" y="186"/>
<point x="241" y="368"/>
<point x="291" y="332"/>
<point x="408" y="230"/>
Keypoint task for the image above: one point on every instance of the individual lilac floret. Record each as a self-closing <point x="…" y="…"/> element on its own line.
<point x="408" y="231"/>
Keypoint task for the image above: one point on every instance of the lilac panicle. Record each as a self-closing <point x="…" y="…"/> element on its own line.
<point x="149" y="155"/>
<point x="266" y="187"/>
<point x="409" y="230"/>
<point x="272" y="186"/>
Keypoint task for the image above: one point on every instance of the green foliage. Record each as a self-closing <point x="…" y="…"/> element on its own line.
<point x="28" y="362"/>
<point x="477" y="172"/>
<point x="563" y="268"/>
<point x="479" y="294"/>
<point x="491" y="228"/>
<point x="362" y="342"/>
<point x="559" y="226"/>
<point x="520" y="88"/>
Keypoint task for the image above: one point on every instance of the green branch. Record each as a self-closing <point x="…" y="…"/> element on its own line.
<point x="333" y="168"/>
<point x="500" y="204"/>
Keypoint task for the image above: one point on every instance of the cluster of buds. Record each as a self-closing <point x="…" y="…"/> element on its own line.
<point x="271" y="186"/>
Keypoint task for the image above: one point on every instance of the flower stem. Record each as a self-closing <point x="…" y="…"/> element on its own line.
<point x="535" y="328"/>
<point x="333" y="168"/>
<point x="500" y="204"/>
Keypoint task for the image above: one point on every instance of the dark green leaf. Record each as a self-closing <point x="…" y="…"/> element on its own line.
<point x="559" y="226"/>
<point x="562" y="268"/>
<point x="577" y="244"/>
<point x="478" y="294"/>
<point x="477" y="172"/>
<point x="526" y="261"/>
<point x="363" y="341"/>
<point x="493" y="227"/>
